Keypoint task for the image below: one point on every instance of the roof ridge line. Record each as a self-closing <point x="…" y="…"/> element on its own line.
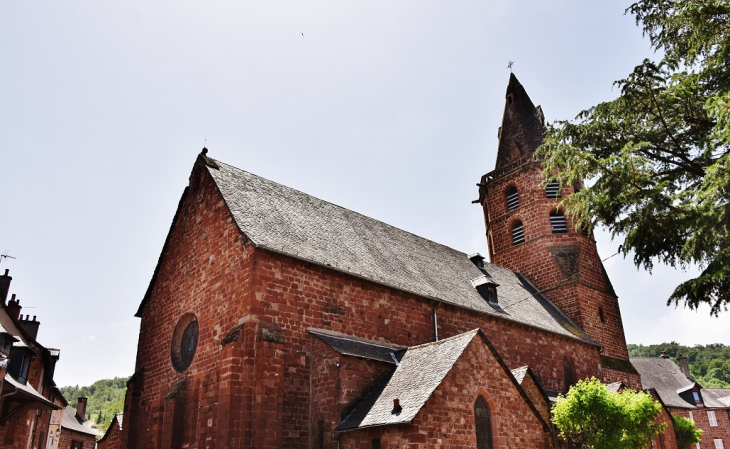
<point x="344" y="208"/>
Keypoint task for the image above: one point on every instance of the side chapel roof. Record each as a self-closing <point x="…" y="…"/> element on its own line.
<point x="412" y="382"/>
<point x="286" y="221"/>
<point x="356" y="347"/>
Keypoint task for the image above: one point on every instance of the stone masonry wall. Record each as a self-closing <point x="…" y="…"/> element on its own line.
<point x="69" y="436"/>
<point x="702" y="421"/>
<point x="254" y="391"/>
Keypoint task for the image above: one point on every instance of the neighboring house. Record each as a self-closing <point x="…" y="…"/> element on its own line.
<point x="709" y="408"/>
<point x="29" y="396"/>
<point x="112" y="436"/>
<point x="74" y="433"/>
<point x="275" y="319"/>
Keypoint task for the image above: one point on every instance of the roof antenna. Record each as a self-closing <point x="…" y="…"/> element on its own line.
<point x="5" y="255"/>
<point x="509" y="66"/>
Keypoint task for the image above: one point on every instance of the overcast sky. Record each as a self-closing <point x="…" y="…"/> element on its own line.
<point x="389" y="108"/>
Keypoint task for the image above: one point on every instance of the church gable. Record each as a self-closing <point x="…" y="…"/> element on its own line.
<point x="449" y="385"/>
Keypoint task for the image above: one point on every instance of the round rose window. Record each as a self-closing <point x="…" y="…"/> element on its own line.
<point x="184" y="342"/>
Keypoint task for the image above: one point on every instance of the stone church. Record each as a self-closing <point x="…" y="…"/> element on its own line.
<point x="278" y="320"/>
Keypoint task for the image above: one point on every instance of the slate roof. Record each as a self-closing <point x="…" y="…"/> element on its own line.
<point x="287" y="221"/>
<point x="667" y="379"/>
<point x="352" y="346"/>
<point x="26" y="393"/>
<point x="71" y="421"/>
<point x="522" y="126"/>
<point x="615" y="386"/>
<point x="717" y="395"/>
<point x="421" y="371"/>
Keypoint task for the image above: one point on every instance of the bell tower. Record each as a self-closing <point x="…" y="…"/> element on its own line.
<point x="528" y="232"/>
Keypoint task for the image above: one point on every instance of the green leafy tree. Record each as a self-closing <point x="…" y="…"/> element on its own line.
<point x="657" y="158"/>
<point x="105" y="399"/>
<point x="708" y="364"/>
<point x="686" y="432"/>
<point x="592" y="417"/>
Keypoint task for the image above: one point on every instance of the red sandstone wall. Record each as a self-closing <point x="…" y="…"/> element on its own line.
<point x="337" y="383"/>
<point x="68" y="436"/>
<point x="722" y="431"/>
<point x="205" y="271"/>
<point x="257" y="392"/>
<point x="666" y="440"/>
<point x="112" y="439"/>
<point x="447" y="419"/>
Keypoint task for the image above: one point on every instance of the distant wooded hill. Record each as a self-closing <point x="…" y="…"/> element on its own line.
<point x="709" y="365"/>
<point x="105" y="399"/>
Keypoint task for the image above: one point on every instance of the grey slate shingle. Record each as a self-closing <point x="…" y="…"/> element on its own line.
<point x="287" y="221"/>
<point x="421" y="371"/>
<point x="359" y="348"/>
<point x="71" y="421"/>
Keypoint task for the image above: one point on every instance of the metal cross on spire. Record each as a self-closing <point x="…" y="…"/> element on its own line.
<point x="509" y="66"/>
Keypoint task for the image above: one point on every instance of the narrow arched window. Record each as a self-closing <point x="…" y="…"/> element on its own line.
<point x="553" y="190"/>
<point x="518" y="233"/>
<point x="483" y="422"/>
<point x="513" y="198"/>
<point x="558" y="223"/>
<point x="568" y="372"/>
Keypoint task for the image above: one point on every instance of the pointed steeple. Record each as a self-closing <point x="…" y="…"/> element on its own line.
<point x="522" y="124"/>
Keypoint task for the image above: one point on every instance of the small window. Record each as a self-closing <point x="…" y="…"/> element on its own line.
<point x="558" y="223"/>
<point x="518" y="233"/>
<point x="488" y="291"/>
<point x="483" y="422"/>
<point x="718" y="444"/>
<point x="513" y="198"/>
<point x="697" y="397"/>
<point x="600" y="314"/>
<point x="553" y="190"/>
<point x="77" y="444"/>
<point x="712" y="418"/>
<point x="568" y="373"/>
<point x="375" y="443"/>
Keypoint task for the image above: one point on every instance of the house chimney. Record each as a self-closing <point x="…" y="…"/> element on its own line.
<point x="14" y="307"/>
<point x="5" y="285"/>
<point x="30" y="326"/>
<point x="81" y="409"/>
<point x="664" y="355"/>
<point x="684" y="365"/>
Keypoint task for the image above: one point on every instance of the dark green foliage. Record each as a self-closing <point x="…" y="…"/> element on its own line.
<point x="657" y="158"/>
<point x="686" y="432"/>
<point x="708" y="364"/>
<point x="105" y="399"/>
<point x="593" y="417"/>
